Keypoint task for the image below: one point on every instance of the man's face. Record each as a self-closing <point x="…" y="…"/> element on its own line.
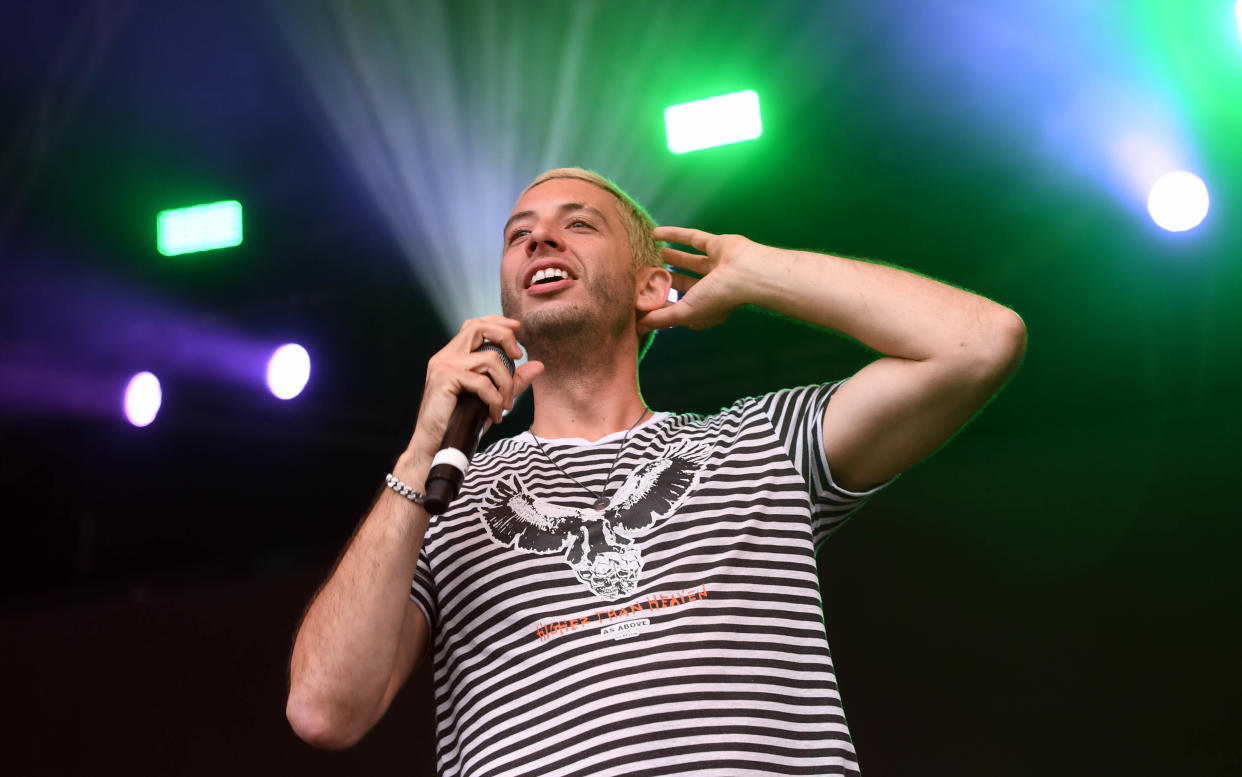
<point x="566" y="273"/>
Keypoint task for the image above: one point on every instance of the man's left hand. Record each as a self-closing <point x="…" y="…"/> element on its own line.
<point x="708" y="300"/>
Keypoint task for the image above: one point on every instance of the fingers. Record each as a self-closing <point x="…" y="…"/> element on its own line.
<point x="698" y="263"/>
<point x="463" y="350"/>
<point x="459" y="367"/>
<point x="489" y="363"/>
<point x="653" y="320"/>
<point x="483" y="388"/>
<point x="671" y="313"/>
<point x="496" y="329"/>
<point x="496" y="387"/>
<point x="682" y="283"/>
<point x="522" y="379"/>
<point x="689" y="237"/>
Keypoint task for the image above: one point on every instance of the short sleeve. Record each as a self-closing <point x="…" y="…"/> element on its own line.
<point x="422" y="588"/>
<point x="797" y="416"/>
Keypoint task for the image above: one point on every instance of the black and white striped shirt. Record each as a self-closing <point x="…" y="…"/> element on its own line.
<point x="677" y="630"/>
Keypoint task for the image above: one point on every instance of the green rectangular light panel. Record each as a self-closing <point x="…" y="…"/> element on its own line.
<point x="199" y="228"/>
<point x="715" y="121"/>
<point x="1237" y="11"/>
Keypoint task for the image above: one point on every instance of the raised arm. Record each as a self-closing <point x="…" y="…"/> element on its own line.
<point x="362" y="636"/>
<point x="945" y="351"/>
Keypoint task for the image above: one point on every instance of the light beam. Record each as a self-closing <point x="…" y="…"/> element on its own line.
<point x="447" y="110"/>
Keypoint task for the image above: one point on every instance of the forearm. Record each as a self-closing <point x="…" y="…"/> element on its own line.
<point x="945" y="351"/>
<point x="361" y="636"/>
<point x="346" y="649"/>
<point x="892" y="311"/>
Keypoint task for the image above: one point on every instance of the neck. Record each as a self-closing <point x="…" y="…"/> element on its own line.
<point x="588" y="403"/>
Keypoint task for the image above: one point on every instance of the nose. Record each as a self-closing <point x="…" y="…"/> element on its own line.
<point x="541" y="233"/>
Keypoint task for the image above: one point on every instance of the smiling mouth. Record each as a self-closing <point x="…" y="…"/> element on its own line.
<point x="549" y="275"/>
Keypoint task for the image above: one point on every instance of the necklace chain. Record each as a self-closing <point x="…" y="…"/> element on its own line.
<point x="600" y="502"/>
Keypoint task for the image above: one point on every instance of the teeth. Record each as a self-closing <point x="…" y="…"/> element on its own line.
<point x="549" y="273"/>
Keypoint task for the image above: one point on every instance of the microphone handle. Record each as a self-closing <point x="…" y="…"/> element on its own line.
<point x="461" y="440"/>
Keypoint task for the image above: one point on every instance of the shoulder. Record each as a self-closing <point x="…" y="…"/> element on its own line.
<point x="774" y="406"/>
<point x="786" y="401"/>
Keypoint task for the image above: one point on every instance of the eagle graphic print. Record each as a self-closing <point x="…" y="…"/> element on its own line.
<point x="598" y="545"/>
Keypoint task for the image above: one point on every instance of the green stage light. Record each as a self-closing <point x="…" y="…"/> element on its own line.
<point x="715" y="121"/>
<point x="1237" y="11"/>
<point x="199" y="228"/>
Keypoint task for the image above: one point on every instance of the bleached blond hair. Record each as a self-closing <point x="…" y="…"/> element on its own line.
<point x="634" y="217"/>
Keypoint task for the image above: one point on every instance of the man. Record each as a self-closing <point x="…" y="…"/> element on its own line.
<point x="617" y="591"/>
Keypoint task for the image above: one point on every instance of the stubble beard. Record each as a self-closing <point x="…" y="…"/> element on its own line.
<point x="574" y="336"/>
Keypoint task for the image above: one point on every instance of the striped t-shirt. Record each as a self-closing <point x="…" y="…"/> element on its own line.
<point x="678" y="629"/>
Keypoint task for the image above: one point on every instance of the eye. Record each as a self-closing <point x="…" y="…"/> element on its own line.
<point x="580" y="223"/>
<point x="518" y="233"/>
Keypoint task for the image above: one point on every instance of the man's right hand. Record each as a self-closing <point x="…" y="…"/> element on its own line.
<point x="459" y="367"/>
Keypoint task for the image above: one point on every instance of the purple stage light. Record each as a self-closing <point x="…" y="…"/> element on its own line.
<point x="288" y="371"/>
<point x="142" y="399"/>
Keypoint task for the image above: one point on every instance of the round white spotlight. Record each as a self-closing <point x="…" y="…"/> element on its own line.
<point x="1178" y="201"/>
<point x="288" y="371"/>
<point x="143" y="399"/>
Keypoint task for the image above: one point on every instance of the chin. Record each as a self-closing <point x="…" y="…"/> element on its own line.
<point x="559" y="322"/>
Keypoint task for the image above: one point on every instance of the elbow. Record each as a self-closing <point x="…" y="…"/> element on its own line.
<point x="316" y="724"/>
<point x="992" y="352"/>
<point x="1004" y="347"/>
<point x="1011" y="332"/>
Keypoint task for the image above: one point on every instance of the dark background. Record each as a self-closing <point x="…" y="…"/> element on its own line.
<point x="1056" y="592"/>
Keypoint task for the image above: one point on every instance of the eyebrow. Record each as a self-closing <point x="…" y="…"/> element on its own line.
<point x="568" y="207"/>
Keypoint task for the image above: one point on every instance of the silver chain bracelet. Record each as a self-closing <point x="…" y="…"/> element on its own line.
<point x="401" y="488"/>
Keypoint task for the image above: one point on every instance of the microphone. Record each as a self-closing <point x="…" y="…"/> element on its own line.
<point x="461" y="440"/>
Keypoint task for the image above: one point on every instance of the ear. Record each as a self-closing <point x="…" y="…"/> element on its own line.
<point x="651" y="288"/>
